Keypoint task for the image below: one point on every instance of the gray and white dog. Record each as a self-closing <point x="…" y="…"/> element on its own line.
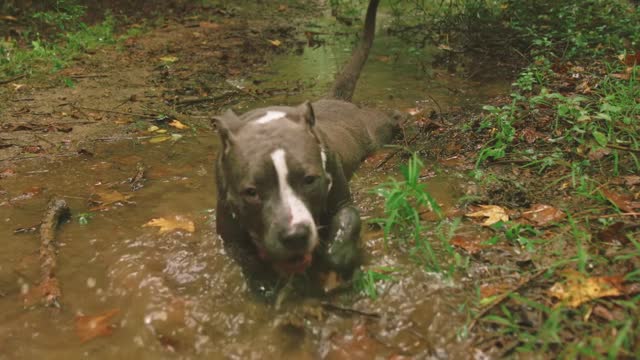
<point x="283" y="173"/>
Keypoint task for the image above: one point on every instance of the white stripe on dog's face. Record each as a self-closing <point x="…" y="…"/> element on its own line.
<point x="323" y="155"/>
<point x="270" y="116"/>
<point x="298" y="211"/>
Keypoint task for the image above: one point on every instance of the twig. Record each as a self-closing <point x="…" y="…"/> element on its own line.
<point x="614" y="215"/>
<point x="624" y="148"/>
<point x="80" y="76"/>
<point x="49" y="288"/>
<point x="333" y="307"/>
<point x="6" y="81"/>
<point x="394" y="153"/>
<point x="110" y="111"/>
<point x="504" y="296"/>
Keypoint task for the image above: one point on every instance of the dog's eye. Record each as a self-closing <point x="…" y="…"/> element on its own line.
<point x="250" y="192"/>
<point x="310" y="179"/>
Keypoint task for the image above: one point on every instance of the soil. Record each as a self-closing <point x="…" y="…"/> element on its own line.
<point x="178" y="70"/>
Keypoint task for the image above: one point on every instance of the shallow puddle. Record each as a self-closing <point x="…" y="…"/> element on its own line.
<point x="178" y="292"/>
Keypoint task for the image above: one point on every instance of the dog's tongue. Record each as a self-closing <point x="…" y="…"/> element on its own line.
<point x="294" y="266"/>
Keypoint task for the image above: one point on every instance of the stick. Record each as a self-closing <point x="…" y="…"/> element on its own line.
<point x="49" y="288"/>
<point x="110" y="111"/>
<point x="2" y="82"/>
<point x="503" y="297"/>
<point x="333" y="307"/>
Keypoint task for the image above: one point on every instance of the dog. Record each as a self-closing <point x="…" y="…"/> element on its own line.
<point x="283" y="176"/>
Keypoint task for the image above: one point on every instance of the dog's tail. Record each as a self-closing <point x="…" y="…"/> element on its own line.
<point x="345" y="84"/>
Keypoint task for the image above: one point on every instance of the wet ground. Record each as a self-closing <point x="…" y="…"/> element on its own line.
<point x="177" y="293"/>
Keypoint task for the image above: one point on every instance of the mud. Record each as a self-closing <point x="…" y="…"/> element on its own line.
<point x="178" y="293"/>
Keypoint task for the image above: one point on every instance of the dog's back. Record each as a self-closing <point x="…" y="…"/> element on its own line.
<point x="352" y="132"/>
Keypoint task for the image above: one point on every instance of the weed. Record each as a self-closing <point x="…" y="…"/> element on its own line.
<point x="366" y="281"/>
<point x="404" y="201"/>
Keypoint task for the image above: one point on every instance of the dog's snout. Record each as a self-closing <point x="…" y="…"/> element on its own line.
<point x="297" y="238"/>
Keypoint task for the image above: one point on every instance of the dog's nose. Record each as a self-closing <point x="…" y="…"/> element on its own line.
<point x="297" y="238"/>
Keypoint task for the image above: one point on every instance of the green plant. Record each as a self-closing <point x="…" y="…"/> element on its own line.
<point x="65" y="15"/>
<point x="404" y="201"/>
<point x="365" y="281"/>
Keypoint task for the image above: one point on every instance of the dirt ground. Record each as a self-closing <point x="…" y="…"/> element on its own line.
<point x="178" y="70"/>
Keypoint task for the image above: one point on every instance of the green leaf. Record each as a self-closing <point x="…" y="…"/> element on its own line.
<point x="600" y="137"/>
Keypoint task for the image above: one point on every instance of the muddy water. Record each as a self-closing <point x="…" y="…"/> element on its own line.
<point x="178" y="294"/>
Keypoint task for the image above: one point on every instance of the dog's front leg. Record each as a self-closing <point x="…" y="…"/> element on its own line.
<point x="343" y="235"/>
<point x="343" y="250"/>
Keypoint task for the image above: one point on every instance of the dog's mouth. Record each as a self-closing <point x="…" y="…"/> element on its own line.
<point x="294" y="265"/>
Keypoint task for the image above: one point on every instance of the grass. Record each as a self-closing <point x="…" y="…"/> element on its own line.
<point x="578" y="94"/>
<point x="34" y="55"/>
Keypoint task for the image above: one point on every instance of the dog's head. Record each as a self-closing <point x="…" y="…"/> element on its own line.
<point x="273" y="175"/>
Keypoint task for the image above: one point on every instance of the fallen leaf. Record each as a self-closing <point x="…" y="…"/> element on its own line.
<point x="531" y="135"/>
<point x="170" y="224"/>
<point x="598" y="153"/>
<point x="578" y="289"/>
<point x="472" y="245"/>
<point x="108" y="197"/>
<point x="153" y="128"/>
<point x="624" y="203"/>
<point x="9" y="18"/>
<point x="631" y="180"/>
<point x="275" y="42"/>
<point x="282" y="8"/>
<point x="47" y="292"/>
<point x="90" y="327"/>
<point x="493" y="213"/>
<point x="159" y="139"/>
<point x="632" y="59"/>
<point x="169" y="59"/>
<point x="626" y="75"/>
<point x="489" y="290"/>
<point x="616" y="232"/>
<point x="178" y="125"/>
<point x="541" y="215"/>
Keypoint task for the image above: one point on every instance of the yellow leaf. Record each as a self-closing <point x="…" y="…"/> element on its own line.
<point x="170" y="224"/>
<point x="169" y="59"/>
<point x="178" y="125"/>
<point x="578" y="289"/>
<point x="159" y="139"/>
<point x="161" y="131"/>
<point x="153" y="128"/>
<point x="493" y="214"/>
<point x="275" y="42"/>
<point x="107" y="197"/>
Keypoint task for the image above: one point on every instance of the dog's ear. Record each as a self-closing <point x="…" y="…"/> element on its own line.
<point x="305" y="111"/>
<point x="226" y="124"/>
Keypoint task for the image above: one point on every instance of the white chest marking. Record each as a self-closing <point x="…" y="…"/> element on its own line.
<point x="270" y="116"/>
<point x="298" y="211"/>
<point x="323" y="155"/>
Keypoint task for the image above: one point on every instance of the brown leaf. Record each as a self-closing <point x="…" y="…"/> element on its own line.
<point x="488" y="290"/>
<point x="578" y="289"/>
<point x="104" y="198"/>
<point x="177" y="222"/>
<point x="631" y="180"/>
<point x="614" y="233"/>
<point x="623" y="202"/>
<point x="598" y="153"/>
<point x="493" y="213"/>
<point x="472" y="245"/>
<point x="90" y="327"/>
<point x="47" y="292"/>
<point x="331" y="281"/>
<point x="541" y="215"/>
<point x="632" y="59"/>
<point x="531" y="135"/>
